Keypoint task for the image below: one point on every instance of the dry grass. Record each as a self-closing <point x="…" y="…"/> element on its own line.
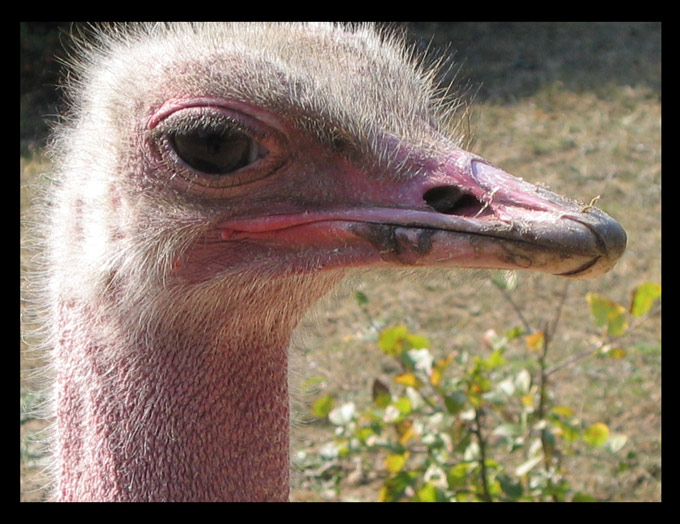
<point x="574" y="106"/>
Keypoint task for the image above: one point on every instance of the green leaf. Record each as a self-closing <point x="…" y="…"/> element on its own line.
<point x="455" y="401"/>
<point x="597" y="434"/>
<point x="403" y="404"/>
<point x="394" y="486"/>
<point x="495" y="359"/>
<point x="643" y="298"/>
<point x="557" y="488"/>
<point x="365" y="432"/>
<point x="514" y="333"/>
<point x="511" y="487"/>
<point x="323" y="406"/>
<point x="583" y="497"/>
<point x="418" y="341"/>
<point x="395" y="340"/>
<point x="311" y="383"/>
<point x="618" y="325"/>
<point x="361" y="298"/>
<point x="381" y="394"/>
<point x="600" y="308"/>
<point x="396" y="462"/>
<point x="549" y="438"/>
<point x="456" y="476"/>
<point x="392" y="340"/>
<point x="568" y="431"/>
<point x="608" y="313"/>
<point x="428" y="493"/>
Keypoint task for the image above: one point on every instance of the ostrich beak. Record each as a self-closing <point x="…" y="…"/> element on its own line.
<point x="481" y="216"/>
<point x="458" y="212"/>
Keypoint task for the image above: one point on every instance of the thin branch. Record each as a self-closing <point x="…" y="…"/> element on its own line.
<point x="543" y="388"/>
<point x="573" y="358"/>
<point x="558" y="312"/>
<point x="514" y="306"/>
<point x="635" y="323"/>
<point x="486" y="496"/>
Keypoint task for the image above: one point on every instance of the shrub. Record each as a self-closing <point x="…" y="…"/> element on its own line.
<point x="473" y="428"/>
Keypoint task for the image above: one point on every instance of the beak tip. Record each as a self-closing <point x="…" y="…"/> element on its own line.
<point x="610" y="239"/>
<point x="610" y="235"/>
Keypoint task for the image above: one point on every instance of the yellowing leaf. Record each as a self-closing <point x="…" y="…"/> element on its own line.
<point x="597" y="434"/>
<point x="436" y="377"/>
<point x="395" y="340"/>
<point x="428" y="493"/>
<point x="323" y="406"/>
<point x="418" y="341"/>
<point x="391" y="340"/>
<point x="618" y="325"/>
<point x="535" y="341"/>
<point x="396" y="462"/>
<point x="438" y="369"/>
<point x="617" y="353"/>
<point x="569" y="432"/>
<point x="403" y="427"/>
<point x="643" y="298"/>
<point x="608" y="313"/>
<point x="409" y="380"/>
<point x="565" y="411"/>
<point x="405" y="431"/>
<point x="527" y="400"/>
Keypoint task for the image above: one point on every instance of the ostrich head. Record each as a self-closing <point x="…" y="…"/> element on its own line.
<point x="211" y="183"/>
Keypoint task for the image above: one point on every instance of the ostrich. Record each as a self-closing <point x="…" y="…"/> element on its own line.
<point x="211" y="183"/>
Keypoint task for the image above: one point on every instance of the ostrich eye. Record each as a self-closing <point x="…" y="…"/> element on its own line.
<point x="217" y="152"/>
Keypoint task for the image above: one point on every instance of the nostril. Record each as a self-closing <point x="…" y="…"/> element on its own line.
<point x="450" y="200"/>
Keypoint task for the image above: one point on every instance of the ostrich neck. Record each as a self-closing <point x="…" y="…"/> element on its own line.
<point x="193" y="408"/>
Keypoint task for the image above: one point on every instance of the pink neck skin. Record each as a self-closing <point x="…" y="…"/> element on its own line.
<point x="198" y="413"/>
